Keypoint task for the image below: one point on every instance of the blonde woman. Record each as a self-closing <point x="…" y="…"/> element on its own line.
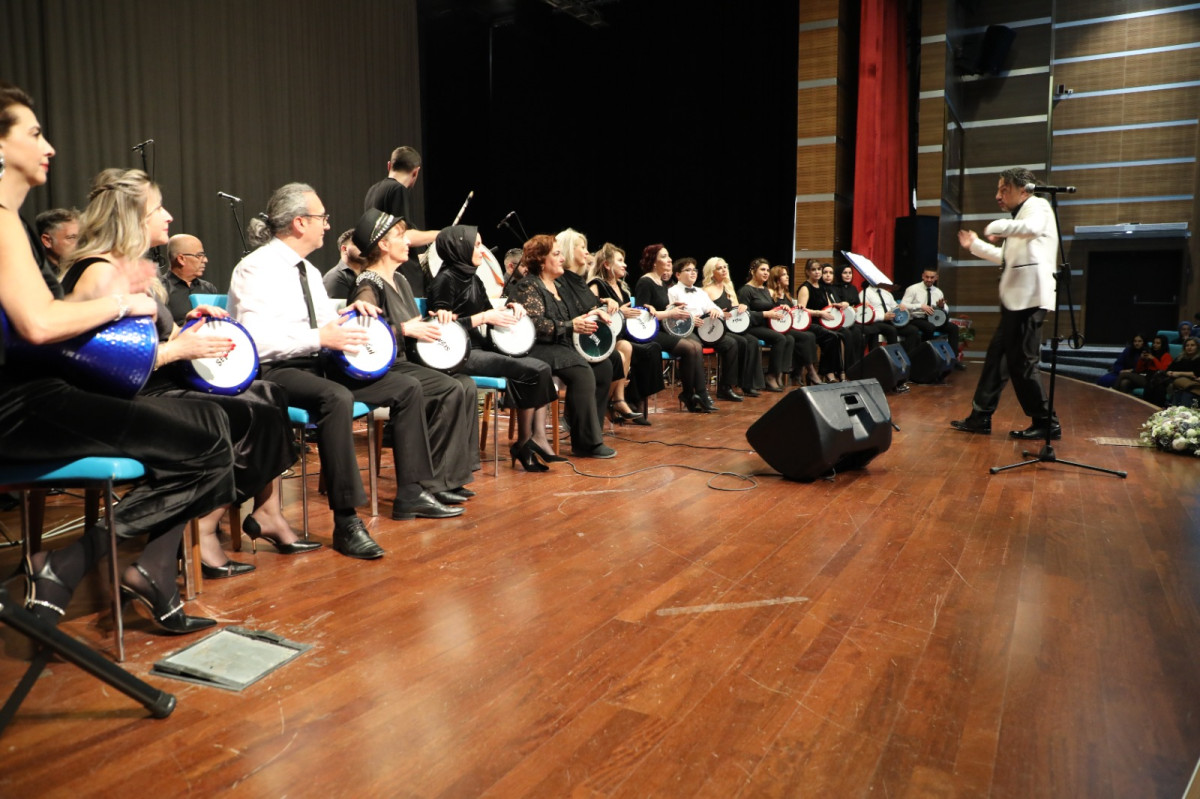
<point x="719" y="289"/>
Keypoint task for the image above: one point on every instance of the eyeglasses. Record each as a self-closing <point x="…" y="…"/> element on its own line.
<point x="688" y="269"/>
<point x="323" y="217"/>
<point x="203" y="256"/>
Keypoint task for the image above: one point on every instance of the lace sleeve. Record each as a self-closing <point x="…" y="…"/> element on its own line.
<point x="526" y="293"/>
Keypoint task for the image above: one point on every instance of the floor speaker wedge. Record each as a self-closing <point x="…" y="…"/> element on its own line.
<point x="889" y="365"/>
<point x="814" y="430"/>
<point x="932" y="361"/>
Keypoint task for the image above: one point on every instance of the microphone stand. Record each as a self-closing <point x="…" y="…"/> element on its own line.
<point x="1046" y="454"/>
<point x="156" y="252"/>
<point x="237" y="223"/>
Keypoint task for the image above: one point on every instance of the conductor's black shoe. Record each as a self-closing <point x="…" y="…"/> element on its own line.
<point x="425" y="506"/>
<point x="1037" y="431"/>
<point x="975" y="423"/>
<point x="352" y="540"/>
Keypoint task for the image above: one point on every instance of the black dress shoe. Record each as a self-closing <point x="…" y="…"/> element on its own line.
<point x="451" y="497"/>
<point x="1037" y="431"/>
<point x="975" y="423"/>
<point x="960" y="366"/>
<point x="599" y="451"/>
<point x="426" y="506"/>
<point x="751" y="392"/>
<point x="725" y="393"/>
<point x="352" y="540"/>
<point x="707" y="401"/>
<point x="231" y="568"/>
<point x="466" y="492"/>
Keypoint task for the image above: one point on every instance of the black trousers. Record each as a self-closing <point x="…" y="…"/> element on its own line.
<point x="782" y="347"/>
<point x="530" y="384"/>
<point x="1013" y="354"/>
<point x="330" y="405"/>
<point x="949" y="330"/>
<point x="908" y="336"/>
<point x="749" y="360"/>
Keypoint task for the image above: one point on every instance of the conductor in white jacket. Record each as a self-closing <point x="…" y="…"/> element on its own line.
<point x="1026" y="247"/>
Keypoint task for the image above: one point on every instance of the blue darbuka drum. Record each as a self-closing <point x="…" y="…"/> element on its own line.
<point x="900" y="317"/>
<point x="228" y="375"/>
<point x="116" y="358"/>
<point x="374" y="358"/>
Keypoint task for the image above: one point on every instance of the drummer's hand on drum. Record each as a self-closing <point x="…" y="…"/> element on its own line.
<point x="363" y="307"/>
<point x="827" y="313"/>
<point x="603" y="315"/>
<point x="518" y="310"/>
<point x="742" y="309"/>
<point x="215" y="311"/>
<point x="779" y="313"/>
<point x="584" y="324"/>
<point x="678" y="311"/>
<point x="927" y="309"/>
<point x="495" y="318"/>
<point x="337" y="335"/>
<point x="422" y="330"/>
<point x="629" y="312"/>
<point x="717" y="313"/>
<point x="611" y="305"/>
<point x="189" y="345"/>
<point x="445" y="316"/>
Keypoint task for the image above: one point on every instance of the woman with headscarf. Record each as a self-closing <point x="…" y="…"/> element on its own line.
<point x="458" y="289"/>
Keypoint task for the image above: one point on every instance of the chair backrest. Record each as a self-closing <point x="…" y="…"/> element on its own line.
<point x="1176" y="350"/>
<point x="421" y="304"/>
<point x="219" y="300"/>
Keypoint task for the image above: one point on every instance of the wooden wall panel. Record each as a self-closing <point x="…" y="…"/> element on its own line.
<point x="1122" y="213"/>
<point x="929" y="176"/>
<point x="931" y="121"/>
<point x="818" y="10"/>
<point x="1140" y="70"/>
<point x="933" y="17"/>
<point x="1129" y="181"/>
<point x="1125" y="145"/>
<point x="1127" y="109"/>
<point x="1130" y="34"/>
<point x="933" y="66"/>
<point x="818" y="54"/>
<point x="1001" y="97"/>
<point x="817" y="112"/>
<point x="814" y="225"/>
<point x="1075" y="10"/>
<point x="816" y="167"/>
<point x="983" y="14"/>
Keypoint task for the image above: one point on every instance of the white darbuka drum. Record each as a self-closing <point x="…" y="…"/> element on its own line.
<point x="835" y="322"/>
<point x="781" y="325"/>
<point x="680" y="327"/>
<point x="516" y="340"/>
<point x="848" y="318"/>
<point x="864" y="313"/>
<point x="230" y="374"/>
<point x="938" y="317"/>
<point x="642" y="327"/>
<point x="374" y="358"/>
<point x="616" y="322"/>
<point x="448" y="352"/>
<point x="711" y="330"/>
<point x="800" y="318"/>
<point x="738" y="321"/>
<point x="900" y="317"/>
<point x="596" y="346"/>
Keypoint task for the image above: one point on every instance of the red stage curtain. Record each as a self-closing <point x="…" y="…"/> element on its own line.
<point x="881" y="147"/>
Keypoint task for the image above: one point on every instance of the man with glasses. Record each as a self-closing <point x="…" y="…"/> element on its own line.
<point x="339" y="281"/>
<point x="188" y="261"/>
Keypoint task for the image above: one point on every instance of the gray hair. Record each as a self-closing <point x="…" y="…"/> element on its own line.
<point x="288" y="202"/>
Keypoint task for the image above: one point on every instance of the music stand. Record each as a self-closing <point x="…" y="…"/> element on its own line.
<point x="52" y="641"/>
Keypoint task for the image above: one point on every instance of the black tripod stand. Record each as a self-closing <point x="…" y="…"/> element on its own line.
<point x="1063" y="276"/>
<point x="51" y="641"/>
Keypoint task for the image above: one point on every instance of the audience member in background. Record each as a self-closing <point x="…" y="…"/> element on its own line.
<point x="1184" y="374"/>
<point x="1156" y="359"/>
<point x="339" y="281"/>
<point x="1186" y="330"/>
<point x="58" y="230"/>
<point x="188" y="261"/>
<point x="1127" y="360"/>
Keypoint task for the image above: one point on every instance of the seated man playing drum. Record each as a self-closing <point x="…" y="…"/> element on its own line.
<point x="279" y="297"/>
<point x="930" y="313"/>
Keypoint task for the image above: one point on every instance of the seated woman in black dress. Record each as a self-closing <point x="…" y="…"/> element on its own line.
<point x="812" y="295"/>
<point x="763" y="307"/>
<point x="651" y="293"/>
<point x="847" y="292"/>
<point x="719" y="289"/>
<point x="459" y="290"/>
<point x="577" y="265"/>
<point x="851" y="335"/>
<point x="183" y="444"/>
<point x="607" y="281"/>
<point x="556" y="319"/>
<point x="804" y="364"/>
<point x="450" y="401"/>
<point x="258" y="422"/>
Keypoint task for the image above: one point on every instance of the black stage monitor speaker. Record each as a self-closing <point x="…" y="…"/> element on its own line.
<point x="813" y="430"/>
<point x="915" y="248"/>
<point x="932" y="361"/>
<point x="889" y="365"/>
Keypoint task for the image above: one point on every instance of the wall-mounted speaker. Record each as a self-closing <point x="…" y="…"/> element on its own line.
<point x="814" y="430"/>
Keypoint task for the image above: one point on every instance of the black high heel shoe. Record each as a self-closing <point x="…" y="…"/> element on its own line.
<point x="548" y="457"/>
<point x="166" y="616"/>
<point x="230" y="568"/>
<point x="528" y="458"/>
<point x="32" y="602"/>
<point x="253" y="529"/>
<point x="619" y="416"/>
<point x="693" y="403"/>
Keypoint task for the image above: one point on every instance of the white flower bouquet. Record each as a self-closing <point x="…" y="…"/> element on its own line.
<point x="1174" y="430"/>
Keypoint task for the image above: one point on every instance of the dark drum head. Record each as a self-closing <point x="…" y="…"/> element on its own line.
<point x="597" y="346"/>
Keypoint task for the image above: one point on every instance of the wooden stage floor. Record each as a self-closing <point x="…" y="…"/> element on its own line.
<point x="920" y="628"/>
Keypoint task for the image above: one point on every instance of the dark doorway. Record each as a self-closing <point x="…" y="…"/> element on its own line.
<point x="1132" y="291"/>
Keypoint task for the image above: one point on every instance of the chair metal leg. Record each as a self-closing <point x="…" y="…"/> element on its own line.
<point x="372" y="470"/>
<point x="191" y="556"/>
<point x="304" y="481"/>
<point x="496" y="435"/>
<point x="110" y="522"/>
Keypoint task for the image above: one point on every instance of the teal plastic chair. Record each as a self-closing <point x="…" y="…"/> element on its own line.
<point x="301" y="421"/>
<point x="219" y="300"/>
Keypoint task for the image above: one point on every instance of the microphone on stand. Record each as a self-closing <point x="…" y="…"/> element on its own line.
<point x="1033" y="188"/>
<point x="141" y="145"/>
<point x="504" y="222"/>
<point x="229" y="197"/>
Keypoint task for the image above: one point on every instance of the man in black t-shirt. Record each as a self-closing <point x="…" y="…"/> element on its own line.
<point x="188" y="261"/>
<point x="391" y="195"/>
<point x="340" y="281"/>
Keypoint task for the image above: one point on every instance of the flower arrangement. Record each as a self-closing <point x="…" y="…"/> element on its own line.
<point x="1174" y="430"/>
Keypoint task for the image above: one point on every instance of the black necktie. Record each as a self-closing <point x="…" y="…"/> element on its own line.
<point x="882" y="301"/>
<point x="312" y="312"/>
<point x="929" y="296"/>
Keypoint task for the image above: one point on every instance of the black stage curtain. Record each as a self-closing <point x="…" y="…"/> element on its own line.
<point x="238" y="96"/>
